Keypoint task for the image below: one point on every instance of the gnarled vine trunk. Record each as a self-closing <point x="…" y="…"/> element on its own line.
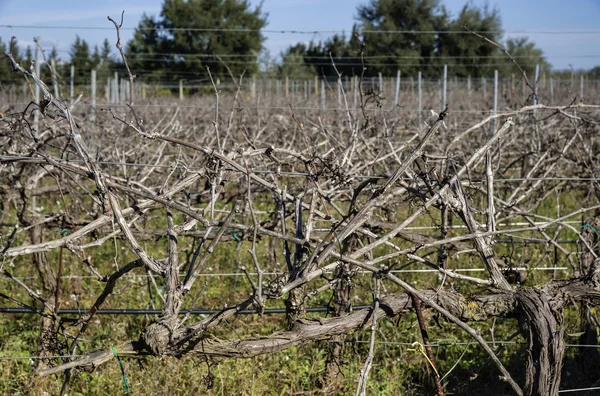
<point x="541" y="321"/>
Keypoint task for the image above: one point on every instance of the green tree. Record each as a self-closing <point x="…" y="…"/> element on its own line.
<point x="80" y="58"/>
<point x="318" y="56"/>
<point x="217" y="27"/>
<point x="408" y="48"/>
<point x="6" y="74"/>
<point x="469" y="55"/>
<point x="527" y="55"/>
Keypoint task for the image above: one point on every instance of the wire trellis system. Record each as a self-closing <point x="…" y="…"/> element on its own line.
<point x="362" y="272"/>
<point x="292" y="31"/>
<point x="299" y="174"/>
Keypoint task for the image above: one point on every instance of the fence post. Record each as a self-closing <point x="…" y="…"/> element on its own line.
<point x="535" y="84"/>
<point x="339" y="91"/>
<point x="420" y="104"/>
<point x="323" y="94"/>
<point x="143" y="90"/>
<point x="287" y="86"/>
<point x="253" y="88"/>
<point x="495" y="100"/>
<point x="543" y="80"/>
<point x="380" y="82"/>
<point x="72" y="85"/>
<point x="355" y="89"/>
<point x="397" y="94"/>
<point x="115" y="90"/>
<point x="54" y="79"/>
<point x="316" y="85"/>
<point x="180" y="89"/>
<point x="123" y="92"/>
<point x="93" y="96"/>
<point x="581" y="87"/>
<point x="469" y="86"/>
<point x="551" y="90"/>
<point x="305" y="89"/>
<point x="36" y="114"/>
<point x="444" y="87"/>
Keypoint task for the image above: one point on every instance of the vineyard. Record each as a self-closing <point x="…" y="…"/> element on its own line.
<point x="337" y="237"/>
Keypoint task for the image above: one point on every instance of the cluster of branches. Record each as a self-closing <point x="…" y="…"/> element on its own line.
<point x="424" y="175"/>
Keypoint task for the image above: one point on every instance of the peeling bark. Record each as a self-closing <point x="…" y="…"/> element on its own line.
<point x="541" y="321"/>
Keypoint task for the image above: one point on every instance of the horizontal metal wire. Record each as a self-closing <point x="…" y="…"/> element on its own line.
<point x="361" y="272"/>
<point x="300" y="31"/>
<point x="295" y="174"/>
<point x="128" y="311"/>
<point x="284" y="108"/>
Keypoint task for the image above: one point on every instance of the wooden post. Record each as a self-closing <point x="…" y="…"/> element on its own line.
<point x="397" y="93"/>
<point x="581" y="87"/>
<point x="180" y="89"/>
<point x="444" y="86"/>
<point x="484" y="88"/>
<point x="253" y="88"/>
<point x="469" y="87"/>
<point x="36" y="92"/>
<point x="420" y="103"/>
<point x="495" y="100"/>
<point x="93" y="96"/>
<point x="355" y="89"/>
<point x="339" y="92"/>
<point x="287" y="86"/>
<point x="323" y="94"/>
<point x="72" y="85"/>
<point x="535" y="84"/>
<point x="115" y="90"/>
<point x="316" y="85"/>
<point x="551" y="90"/>
<point x="54" y="79"/>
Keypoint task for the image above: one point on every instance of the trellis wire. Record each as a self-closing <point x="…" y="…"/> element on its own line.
<point x="296" y="174"/>
<point x="361" y="272"/>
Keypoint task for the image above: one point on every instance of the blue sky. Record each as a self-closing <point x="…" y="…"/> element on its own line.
<point x="582" y="50"/>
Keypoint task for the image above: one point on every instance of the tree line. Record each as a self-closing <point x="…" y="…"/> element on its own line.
<point x="225" y="36"/>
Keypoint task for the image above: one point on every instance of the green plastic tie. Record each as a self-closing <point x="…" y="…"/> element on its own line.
<point x="64" y="231"/>
<point x="236" y="237"/>
<point x="591" y="227"/>
<point x="122" y="370"/>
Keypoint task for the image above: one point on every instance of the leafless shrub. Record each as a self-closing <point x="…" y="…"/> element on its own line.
<point x="314" y="199"/>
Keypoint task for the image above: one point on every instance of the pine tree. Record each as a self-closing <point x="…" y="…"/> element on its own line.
<point x="6" y="74"/>
<point x="218" y="27"/>
<point x="80" y="58"/>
